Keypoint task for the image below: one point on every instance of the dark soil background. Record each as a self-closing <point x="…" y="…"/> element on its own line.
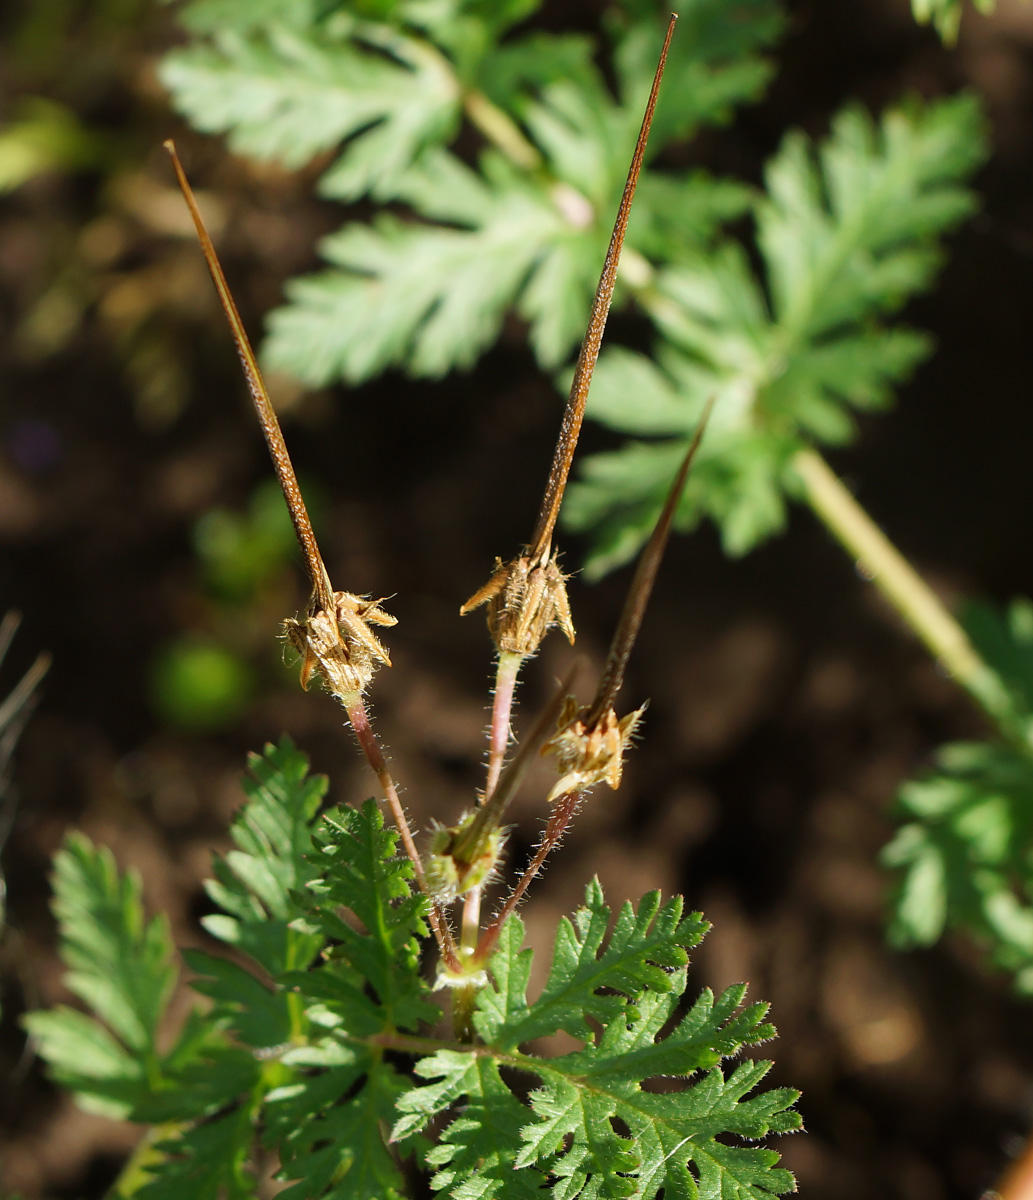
<point x="787" y="704"/>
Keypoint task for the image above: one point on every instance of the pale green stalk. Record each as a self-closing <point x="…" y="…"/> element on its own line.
<point x="905" y="589"/>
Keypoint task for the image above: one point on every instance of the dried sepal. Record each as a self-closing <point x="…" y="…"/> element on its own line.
<point x="451" y="874"/>
<point x="589" y="751"/>
<point x="525" y="600"/>
<point x="340" y="648"/>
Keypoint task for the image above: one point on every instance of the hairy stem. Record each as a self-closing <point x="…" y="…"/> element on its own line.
<point x="367" y="739"/>
<point x="501" y="709"/>
<point x="498" y="742"/>
<point x="562" y="814"/>
<point x="904" y="588"/>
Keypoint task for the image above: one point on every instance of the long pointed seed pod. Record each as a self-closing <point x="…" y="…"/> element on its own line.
<point x="335" y="639"/>
<point x="589" y="744"/>
<point x="527" y="596"/>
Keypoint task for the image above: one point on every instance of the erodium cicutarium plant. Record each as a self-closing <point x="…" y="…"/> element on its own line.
<point x="322" y="1051"/>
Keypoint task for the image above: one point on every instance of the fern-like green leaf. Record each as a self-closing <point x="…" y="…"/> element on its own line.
<point x="360" y="873"/>
<point x="1005" y="643"/>
<point x="431" y="296"/>
<point x="207" y="1161"/>
<point x="846" y="233"/>
<point x="965" y="843"/>
<point x="302" y="1048"/>
<point x="715" y="61"/>
<point x="630" y="987"/>
<point x="964" y="850"/>
<point x="592" y="982"/>
<point x="389" y="81"/>
<point x="256" y="884"/>
<point x="291" y="94"/>
<point x="330" y="1125"/>
<point x="121" y="966"/>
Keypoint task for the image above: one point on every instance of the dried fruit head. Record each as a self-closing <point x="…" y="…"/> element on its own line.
<point x="525" y="600"/>
<point x="589" y="751"/>
<point x="341" y="649"/>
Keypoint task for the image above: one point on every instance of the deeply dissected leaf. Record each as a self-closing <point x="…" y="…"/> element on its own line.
<point x="306" y="1055"/>
<point x="388" y="82"/>
<point x="964" y="849"/>
<point x="1005" y="643"/>
<point x="715" y="59"/>
<point x="592" y="982"/>
<point x="290" y="94"/>
<point x="373" y="971"/>
<point x="121" y="966"/>
<point x="330" y="1125"/>
<point x="630" y="989"/>
<point x="429" y="295"/>
<point x="329" y="1131"/>
<point x="207" y="1161"/>
<point x="846" y="233"/>
<point x="256" y="883"/>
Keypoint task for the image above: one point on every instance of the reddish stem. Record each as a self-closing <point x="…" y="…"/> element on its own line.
<point x="498" y="743"/>
<point x="502" y="706"/>
<point x="565" y="808"/>
<point x="367" y="739"/>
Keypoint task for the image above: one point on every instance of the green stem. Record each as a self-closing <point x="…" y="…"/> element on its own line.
<point x="135" y="1173"/>
<point x="464" y="998"/>
<point x="905" y="589"/>
<point x="501" y="130"/>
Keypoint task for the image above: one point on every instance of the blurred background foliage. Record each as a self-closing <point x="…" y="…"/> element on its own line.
<point x="147" y="550"/>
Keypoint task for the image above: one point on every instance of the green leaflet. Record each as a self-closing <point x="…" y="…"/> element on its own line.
<point x="571" y="1144"/>
<point x="846" y="232"/>
<point x="209" y="1161"/>
<point x="1005" y="642"/>
<point x="360" y="873"/>
<point x="121" y="966"/>
<point x="368" y="983"/>
<point x="643" y="949"/>
<point x="964" y="850"/>
<point x="256" y="885"/>
<point x="290" y="93"/>
<point x="388" y="84"/>
<point x="431" y="296"/>
<point x="965" y="840"/>
<point x="328" y="1131"/>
